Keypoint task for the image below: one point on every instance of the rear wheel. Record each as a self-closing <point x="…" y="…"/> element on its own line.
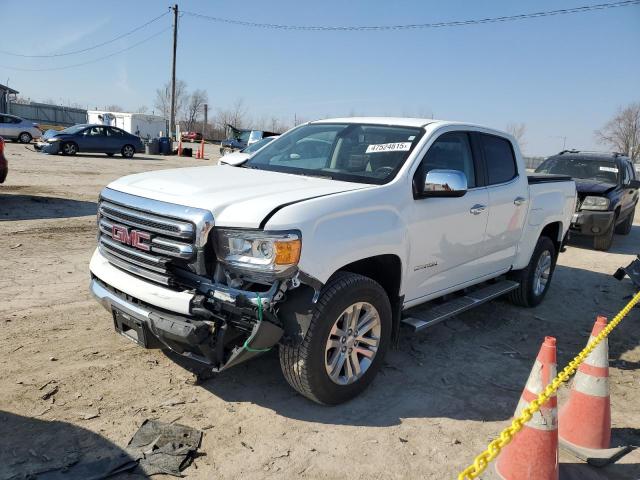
<point x="343" y="349"/>
<point x="625" y="227"/>
<point x="69" y="148"/>
<point x="535" y="278"/>
<point x="128" y="151"/>
<point x="25" y="137"/>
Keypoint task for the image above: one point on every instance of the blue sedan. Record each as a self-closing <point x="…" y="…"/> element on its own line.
<point x="91" y="139"/>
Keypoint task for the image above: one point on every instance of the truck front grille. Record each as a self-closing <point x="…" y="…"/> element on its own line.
<point x="174" y="236"/>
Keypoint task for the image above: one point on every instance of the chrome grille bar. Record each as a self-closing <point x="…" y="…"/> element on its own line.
<point x="146" y="221"/>
<point x="142" y="272"/>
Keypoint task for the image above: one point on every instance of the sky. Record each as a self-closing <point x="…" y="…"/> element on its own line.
<point x="562" y="76"/>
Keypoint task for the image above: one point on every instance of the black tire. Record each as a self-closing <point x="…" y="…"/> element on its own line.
<point x="69" y="148"/>
<point x="25" y="137"/>
<point x="603" y="242"/>
<point x="525" y="295"/>
<point x="303" y="365"/>
<point x="128" y="151"/>
<point x="110" y="154"/>
<point x="624" y="228"/>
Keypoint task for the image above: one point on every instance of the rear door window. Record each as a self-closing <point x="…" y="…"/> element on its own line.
<point x="499" y="159"/>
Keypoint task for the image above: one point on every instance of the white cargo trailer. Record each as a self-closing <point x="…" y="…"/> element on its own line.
<point x="141" y="124"/>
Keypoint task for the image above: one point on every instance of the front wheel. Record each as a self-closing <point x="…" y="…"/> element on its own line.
<point x="69" y="148"/>
<point x="25" y="137"/>
<point x="603" y="242"/>
<point x="128" y="151"/>
<point x="348" y="336"/>
<point x="535" y="278"/>
<point x="625" y="227"/>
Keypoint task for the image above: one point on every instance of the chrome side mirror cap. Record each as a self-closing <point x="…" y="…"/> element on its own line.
<point x="444" y="183"/>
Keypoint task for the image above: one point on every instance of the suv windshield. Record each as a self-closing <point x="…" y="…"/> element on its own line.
<point x="588" y="169"/>
<point x="352" y="152"/>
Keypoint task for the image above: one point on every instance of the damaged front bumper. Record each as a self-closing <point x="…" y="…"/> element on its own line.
<point x="199" y="338"/>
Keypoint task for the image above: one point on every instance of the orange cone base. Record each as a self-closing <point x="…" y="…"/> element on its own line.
<point x="586" y="421"/>
<point x="598" y="457"/>
<point x="531" y="455"/>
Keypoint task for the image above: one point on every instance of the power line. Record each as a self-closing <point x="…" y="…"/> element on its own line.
<point x="93" y="47"/>
<point x="458" y="23"/>
<point x="90" y="61"/>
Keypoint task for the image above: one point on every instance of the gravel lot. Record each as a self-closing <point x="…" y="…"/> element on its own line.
<point x="437" y="402"/>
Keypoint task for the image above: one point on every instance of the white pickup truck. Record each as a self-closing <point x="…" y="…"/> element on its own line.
<point x="324" y="242"/>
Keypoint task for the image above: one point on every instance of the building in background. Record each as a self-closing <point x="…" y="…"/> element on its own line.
<point x="4" y="97"/>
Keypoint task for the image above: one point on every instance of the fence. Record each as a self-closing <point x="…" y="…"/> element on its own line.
<point x="47" y="114"/>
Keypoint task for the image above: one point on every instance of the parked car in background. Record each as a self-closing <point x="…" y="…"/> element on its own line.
<point x="91" y="139"/>
<point x="607" y="186"/>
<point x="242" y="138"/>
<point x="237" y="158"/>
<point x="4" y="164"/>
<point x="191" y="136"/>
<point x="16" y="128"/>
<point x="324" y="242"/>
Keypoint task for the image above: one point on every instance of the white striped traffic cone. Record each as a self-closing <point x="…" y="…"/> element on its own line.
<point x="533" y="452"/>
<point x="585" y="420"/>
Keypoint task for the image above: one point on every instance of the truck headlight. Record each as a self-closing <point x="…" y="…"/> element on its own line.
<point x="257" y="251"/>
<point x="595" y="203"/>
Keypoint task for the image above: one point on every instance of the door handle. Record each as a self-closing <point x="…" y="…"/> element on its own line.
<point x="477" y="209"/>
<point x="519" y="201"/>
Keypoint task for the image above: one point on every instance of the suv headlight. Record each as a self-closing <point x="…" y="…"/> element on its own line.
<point x="257" y="251"/>
<point x="595" y="203"/>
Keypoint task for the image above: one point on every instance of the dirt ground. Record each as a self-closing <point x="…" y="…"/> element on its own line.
<point x="440" y="398"/>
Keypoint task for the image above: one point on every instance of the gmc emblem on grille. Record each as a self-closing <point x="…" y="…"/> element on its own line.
<point x="135" y="238"/>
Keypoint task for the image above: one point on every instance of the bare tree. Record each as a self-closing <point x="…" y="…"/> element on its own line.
<point x="114" y="108"/>
<point x="622" y="132"/>
<point x="238" y="113"/>
<point x="518" y="131"/>
<point x="163" y="98"/>
<point x="142" y="109"/>
<point x="194" y="108"/>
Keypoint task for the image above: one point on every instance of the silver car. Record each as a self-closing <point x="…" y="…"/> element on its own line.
<point x="17" y="128"/>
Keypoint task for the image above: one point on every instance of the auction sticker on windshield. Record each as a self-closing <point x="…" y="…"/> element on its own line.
<point x="609" y="169"/>
<point x="389" y="147"/>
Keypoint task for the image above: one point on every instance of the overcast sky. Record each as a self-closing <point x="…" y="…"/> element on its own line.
<point x="563" y="76"/>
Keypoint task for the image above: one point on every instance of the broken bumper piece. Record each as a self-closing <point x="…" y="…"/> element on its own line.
<point x="210" y="339"/>
<point x="632" y="271"/>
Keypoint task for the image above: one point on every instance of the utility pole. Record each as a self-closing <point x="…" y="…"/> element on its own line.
<point x="172" y="118"/>
<point x="204" y="125"/>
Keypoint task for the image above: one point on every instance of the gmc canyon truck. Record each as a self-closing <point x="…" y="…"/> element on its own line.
<point x="325" y="241"/>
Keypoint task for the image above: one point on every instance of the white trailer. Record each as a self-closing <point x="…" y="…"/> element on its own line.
<point x="141" y="124"/>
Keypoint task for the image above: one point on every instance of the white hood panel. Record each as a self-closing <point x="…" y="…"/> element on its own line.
<point x="237" y="197"/>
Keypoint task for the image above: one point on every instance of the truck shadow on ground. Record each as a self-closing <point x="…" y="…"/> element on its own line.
<point x="34" y="207"/>
<point x="624" y="244"/>
<point x="472" y="367"/>
<point x="55" y="450"/>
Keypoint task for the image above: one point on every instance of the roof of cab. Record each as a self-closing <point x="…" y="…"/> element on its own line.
<point x="396" y="121"/>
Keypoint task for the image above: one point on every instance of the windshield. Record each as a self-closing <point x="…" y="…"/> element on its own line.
<point x="74" y="129"/>
<point x="254" y="147"/>
<point x="351" y="152"/>
<point x="586" y="169"/>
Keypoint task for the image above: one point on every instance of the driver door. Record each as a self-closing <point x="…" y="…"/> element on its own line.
<point x="92" y="140"/>
<point x="447" y="234"/>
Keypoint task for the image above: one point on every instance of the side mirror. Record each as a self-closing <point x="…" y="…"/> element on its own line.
<point x="444" y="183"/>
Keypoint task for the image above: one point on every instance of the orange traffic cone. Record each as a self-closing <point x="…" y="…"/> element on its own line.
<point x="180" y="147"/>
<point x="585" y="420"/>
<point x="533" y="452"/>
<point x="202" y="149"/>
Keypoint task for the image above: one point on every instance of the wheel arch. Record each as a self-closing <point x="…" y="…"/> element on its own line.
<point x="386" y="270"/>
<point x="553" y="231"/>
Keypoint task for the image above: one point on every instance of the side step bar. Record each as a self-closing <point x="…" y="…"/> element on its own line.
<point x="424" y="316"/>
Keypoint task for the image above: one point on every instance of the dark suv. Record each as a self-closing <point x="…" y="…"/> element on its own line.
<point x="607" y="187"/>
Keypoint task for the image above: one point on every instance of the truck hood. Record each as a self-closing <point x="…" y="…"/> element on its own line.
<point x="237" y="197"/>
<point x="598" y="187"/>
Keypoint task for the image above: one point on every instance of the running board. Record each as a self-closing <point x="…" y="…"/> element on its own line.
<point x="424" y="316"/>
